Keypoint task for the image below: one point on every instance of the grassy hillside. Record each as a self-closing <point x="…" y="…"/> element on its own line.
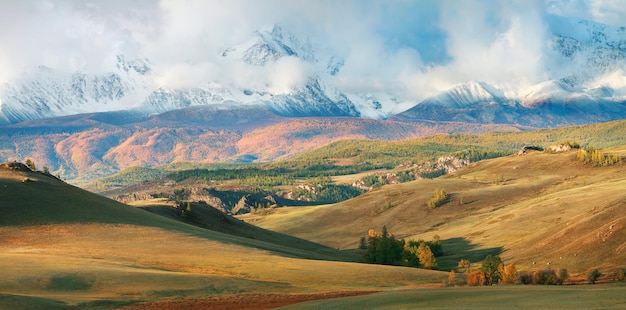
<point x="354" y="156"/>
<point x="510" y="297"/>
<point x="62" y="247"/>
<point x="537" y="210"/>
<point x="391" y="153"/>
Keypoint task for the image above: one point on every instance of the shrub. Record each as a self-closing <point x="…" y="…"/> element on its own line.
<point x="464" y="265"/>
<point x="405" y="176"/>
<point x="620" y="274"/>
<point x="594" y="157"/>
<point x="451" y="278"/>
<point x="572" y="144"/>
<point x="373" y="181"/>
<point x="546" y="277"/>
<point x="526" y="277"/>
<point x="593" y="276"/>
<point x="438" y="199"/>
<point x="476" y="278"/>
<point x="563" y="275"/>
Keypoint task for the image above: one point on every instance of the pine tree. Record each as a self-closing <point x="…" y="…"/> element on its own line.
<point x="491" y="269"/>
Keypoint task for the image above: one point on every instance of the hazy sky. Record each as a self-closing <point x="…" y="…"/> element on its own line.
<point x="414" y="48"/>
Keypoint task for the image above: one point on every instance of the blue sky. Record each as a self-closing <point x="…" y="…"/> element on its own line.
<point x="418" y="46"/>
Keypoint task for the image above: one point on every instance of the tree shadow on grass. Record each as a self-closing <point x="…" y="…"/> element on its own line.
<point x="455" y="249"/>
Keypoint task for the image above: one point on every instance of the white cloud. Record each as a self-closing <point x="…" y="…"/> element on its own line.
<point x="287" y="74"/>
<point x="612" y="12"/>
<point x="410" y="48"/>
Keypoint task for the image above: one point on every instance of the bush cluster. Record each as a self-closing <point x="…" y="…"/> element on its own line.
<point x="591" y="156"/>
<point x="438" y="199"/>
<point x="546" y="276"/>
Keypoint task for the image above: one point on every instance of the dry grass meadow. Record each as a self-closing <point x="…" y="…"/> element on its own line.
<point x="537" y="210"/>
<point x="62" y="247"/>
<point x="55" y="256"/>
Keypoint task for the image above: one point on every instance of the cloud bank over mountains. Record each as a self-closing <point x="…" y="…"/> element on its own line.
<point x="411" y="49"/>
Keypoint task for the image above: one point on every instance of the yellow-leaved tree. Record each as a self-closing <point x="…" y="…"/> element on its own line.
<point x="426" y="256"/>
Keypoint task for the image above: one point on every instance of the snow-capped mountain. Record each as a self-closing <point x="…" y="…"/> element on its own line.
<point x="43" y="92"/>
<point x="46" y="92"/>
<point x="548" y="104"/>
<point x="467" y="95"/>
<point x="586" y="70"/>
<point x="269" y="45"/>
<point x="587" y="84"/>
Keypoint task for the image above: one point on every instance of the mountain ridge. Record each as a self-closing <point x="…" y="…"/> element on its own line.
<point x="586" y="65"/>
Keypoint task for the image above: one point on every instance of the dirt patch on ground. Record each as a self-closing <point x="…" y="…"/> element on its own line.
<point x="245" y="301"/>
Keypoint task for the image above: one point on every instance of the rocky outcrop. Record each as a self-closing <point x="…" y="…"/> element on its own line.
<point x="243" y="206"/>
<point x="528" y="148"/>
<point x="204" y="195"/>
<point x="559" y="148"/>
<point x="14" y="166"/>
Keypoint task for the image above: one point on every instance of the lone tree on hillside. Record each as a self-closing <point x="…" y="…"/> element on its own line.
<point x="491" y="269"/>
<point x="30" y="164"/>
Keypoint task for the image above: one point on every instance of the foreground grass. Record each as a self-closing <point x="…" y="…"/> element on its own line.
<point x="497" y="297"/>
<point x="76" y="264"/>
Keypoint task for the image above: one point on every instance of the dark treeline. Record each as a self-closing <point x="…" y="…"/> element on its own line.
<point x="248" y="175"/>
<point x="329" y="193"/>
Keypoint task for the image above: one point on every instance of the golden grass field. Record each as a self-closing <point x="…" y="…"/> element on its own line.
<point x="539" y="210"/>
<point x="62" y="247"/>
<point x="54" y="256"/>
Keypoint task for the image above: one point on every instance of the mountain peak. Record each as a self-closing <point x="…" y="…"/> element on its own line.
<point x="270" y="44"/>
<point x="466" y="94"/>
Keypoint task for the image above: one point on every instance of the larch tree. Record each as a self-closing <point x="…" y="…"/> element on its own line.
<point x="426" y="257"/>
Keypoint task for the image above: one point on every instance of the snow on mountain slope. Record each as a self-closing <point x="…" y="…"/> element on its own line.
<point x="585" y="50"/>
<point x="466" y="95"/>
<point x="609" y="86"/>
<point x="546" y="91"/>
<point x="43" y="92"/>
<point x="585" y="65"/>
<point x="269" y="45"/>
<point x="316" y="97"/>
<point x="587" y="83"/>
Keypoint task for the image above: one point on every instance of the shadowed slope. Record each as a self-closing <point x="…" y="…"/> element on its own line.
<point x="62" y="247"/>
<point x="33" y="198"/>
